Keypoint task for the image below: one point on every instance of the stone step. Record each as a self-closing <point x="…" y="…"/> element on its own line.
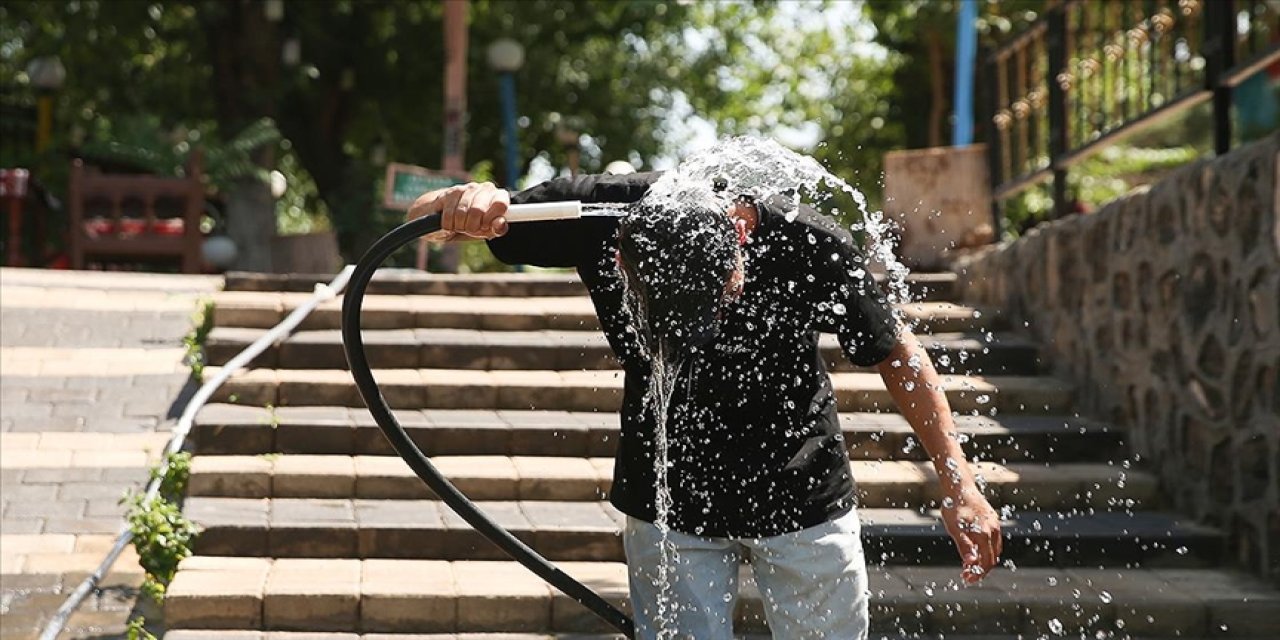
<point x="564" y="350"/>
<point x="236" y="429"/>
<point x="437" y="596"/>
<point x="923" y="286"/>
<point x="413" y="282"/>
<point x="217" y="634"/>
<point x="223" y="634"/>
<point x="263" y="310"/>
<point x="582" y="531"/>
<point x="889" y="484"/>
<point x="598" y="390"/>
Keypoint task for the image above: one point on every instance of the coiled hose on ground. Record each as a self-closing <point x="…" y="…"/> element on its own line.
<point x="353" y="345"/>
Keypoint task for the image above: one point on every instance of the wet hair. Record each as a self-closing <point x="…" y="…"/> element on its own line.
<point x="676" y="262"/>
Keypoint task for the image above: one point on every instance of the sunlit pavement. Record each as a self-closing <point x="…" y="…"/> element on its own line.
<point x="90" y="376"/>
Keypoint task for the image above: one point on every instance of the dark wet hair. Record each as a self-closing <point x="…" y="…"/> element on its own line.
<point x="676" y="262"/>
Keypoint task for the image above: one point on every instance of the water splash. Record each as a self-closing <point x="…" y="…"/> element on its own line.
<point x="761" y="169"/>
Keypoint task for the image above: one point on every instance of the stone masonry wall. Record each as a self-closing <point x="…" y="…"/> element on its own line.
<point x="1164" y="308"/>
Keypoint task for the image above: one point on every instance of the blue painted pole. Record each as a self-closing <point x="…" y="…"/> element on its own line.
<point x="507" y="85"/>
<point x="966" y="54"/>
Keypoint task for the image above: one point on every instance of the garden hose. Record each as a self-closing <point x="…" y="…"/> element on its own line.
<point x="353" y="345"/>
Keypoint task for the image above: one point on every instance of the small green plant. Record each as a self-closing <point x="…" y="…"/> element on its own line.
<point x="137" y="630"/>
<point x="162" y="535"/>
<point x="201" y="325"/>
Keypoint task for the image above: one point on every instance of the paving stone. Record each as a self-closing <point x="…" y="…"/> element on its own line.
<point x="1146" y="604"/>
<point x="312" y="528"/>
<point x="30" y="492"/>
<point x="45" y="509"/>
<point x="21" y="525"/>
<point x="64" y="563"/>
<point x="482" y="477"/>
<point x="408" y="596"/>
<point x="293" y="435"/>
<point x="370" y="440"/>
<point x="401" y="529"/>
<point x="31" y="582"/>
<point x="217" y="593"/>
<point x="381" y="477"/>
<point x="494" y="597"/>
<point x="1239" y="605"/>
<point x="572" y="531"/>
<point x="231" y="476"/>
<point x="230" y="525"/>
<point x="557" y="479"/>
<point x="459" y="389"/>
<point x="463" y="540"/>
<point x="312" y="595"/>
<point x="97" y="623"/>
<point x="258" y="387"/>
<point x="82" y="525"/>
<point x="954" y="607"/>
<point x="23" y="544"/>
<point x="127" y="475"/>
<point x="607" y="579"/>
<point x="1047" y="595"/>
<point x="208" y="634"/>
<point x="306" y="476"/>
<point x="529" y="433"/>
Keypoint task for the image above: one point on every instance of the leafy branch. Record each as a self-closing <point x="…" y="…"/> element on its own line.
<point x="162" y="535"/>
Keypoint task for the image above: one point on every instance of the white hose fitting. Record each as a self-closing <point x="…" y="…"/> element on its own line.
<point x="539" y="211"/>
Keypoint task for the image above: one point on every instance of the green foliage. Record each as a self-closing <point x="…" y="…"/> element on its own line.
<point x="193" y="342"/>
<point x="137" y="630"/>
<point x="1113" y="172"/>
<point x="174" y="474"/>
<point x="162" y="535"/>
<point x="143" y="142"/>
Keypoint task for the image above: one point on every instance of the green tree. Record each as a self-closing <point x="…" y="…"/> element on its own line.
<point x="368" y="76"/>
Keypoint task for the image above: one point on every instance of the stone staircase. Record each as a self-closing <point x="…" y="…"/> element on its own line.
<point x="313" y="525"/>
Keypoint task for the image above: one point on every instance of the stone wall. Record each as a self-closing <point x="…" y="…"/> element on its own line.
<point x="1164" y="308"/>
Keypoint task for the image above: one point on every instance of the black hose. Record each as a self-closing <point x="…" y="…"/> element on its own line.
<point x="353" y="345"/>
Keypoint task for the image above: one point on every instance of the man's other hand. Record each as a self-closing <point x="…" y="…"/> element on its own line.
<point x="475" y="210"/>
<point x="975" y="528"/>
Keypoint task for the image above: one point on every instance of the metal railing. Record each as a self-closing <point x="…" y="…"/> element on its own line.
<point x="1091" y="72"/>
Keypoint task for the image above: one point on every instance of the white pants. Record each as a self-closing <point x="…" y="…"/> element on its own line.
<point x="813" y="581"/>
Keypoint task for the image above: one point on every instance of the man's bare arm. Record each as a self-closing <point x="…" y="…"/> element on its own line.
<point x="916" y="387"/>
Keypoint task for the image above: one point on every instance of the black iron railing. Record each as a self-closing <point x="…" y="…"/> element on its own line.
<point x="1090" y="72"/>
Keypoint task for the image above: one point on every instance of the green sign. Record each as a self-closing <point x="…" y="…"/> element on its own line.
<point x="406" y="182"/>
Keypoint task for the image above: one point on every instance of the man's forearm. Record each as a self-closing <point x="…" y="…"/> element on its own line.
<point x="916" y="387"/>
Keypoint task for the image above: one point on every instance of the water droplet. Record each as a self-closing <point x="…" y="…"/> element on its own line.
<point x="1055" y="626"/>
<point x="838" y="309"/>
<point x="1104" y="596"/>
<point x="983" y="399"/>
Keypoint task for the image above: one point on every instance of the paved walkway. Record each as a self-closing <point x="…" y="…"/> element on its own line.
<point x="91" y="381"/>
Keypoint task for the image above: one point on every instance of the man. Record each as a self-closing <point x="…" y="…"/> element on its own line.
<point x="757" y="460"/>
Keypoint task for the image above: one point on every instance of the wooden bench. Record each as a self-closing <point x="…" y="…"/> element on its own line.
<point x="136" y="218"/>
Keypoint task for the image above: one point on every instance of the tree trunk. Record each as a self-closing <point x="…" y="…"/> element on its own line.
<point x="937" y="87"/>
<point x="251" y="223"/>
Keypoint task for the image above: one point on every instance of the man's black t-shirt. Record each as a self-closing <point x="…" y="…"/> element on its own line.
<point x="755" y="443"/>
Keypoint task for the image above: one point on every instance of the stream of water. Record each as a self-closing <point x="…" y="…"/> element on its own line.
<point x="760" y="168"/>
